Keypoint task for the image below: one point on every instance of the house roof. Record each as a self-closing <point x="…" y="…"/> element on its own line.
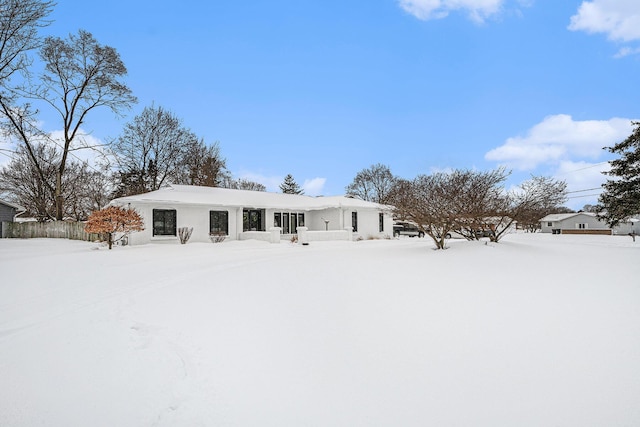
<point x="13" y="205"/>
<point x="214" y="196"/>
<point x="563" y="216"/>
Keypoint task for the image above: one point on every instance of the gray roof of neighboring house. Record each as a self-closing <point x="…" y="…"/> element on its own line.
<point x="13" y="205"/>
<point x="215" y="196"/>
<point x="563" y="216"/>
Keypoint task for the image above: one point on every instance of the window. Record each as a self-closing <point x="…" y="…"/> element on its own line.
<point x="219" y="223"/>
<point x="164" y="222"/>
<point x="354" y="221"/>
<point x="381" y="222"/>
<point x="252" y="220"/>
<point x="581" y="226"/>
<point x="288" y="221"/>
<point x="549" y="224"/>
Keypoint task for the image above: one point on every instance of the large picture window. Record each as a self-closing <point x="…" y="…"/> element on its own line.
<point x="219" y="223"/>
<point x="164" y="222"/>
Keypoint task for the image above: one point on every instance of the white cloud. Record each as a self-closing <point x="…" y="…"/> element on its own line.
<point x="314" y="187"/>
<point x="626" y="51"/>
<point x="478" y="10"/>
<point x="619" y="19"/>
<point x="559" y="138"/>
<point x="94" y="152"/>
<point x="271" y="182"/>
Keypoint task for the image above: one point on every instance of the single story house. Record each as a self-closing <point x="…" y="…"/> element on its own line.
<point x="242" y="215"/>
<point x="585" y="223"/>
<point x="8" y="212"/>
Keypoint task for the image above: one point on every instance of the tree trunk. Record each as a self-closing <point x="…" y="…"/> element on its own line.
<point x="59" y="199"/>
<point x="110" y="240"/>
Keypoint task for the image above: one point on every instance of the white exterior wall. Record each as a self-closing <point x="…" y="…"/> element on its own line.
<point x="197" y="216"/>
<point x="571" y="223"/>
<point x="369" y="224"/>
<point x="591" y="222"/>
<point x="315" y="220"/>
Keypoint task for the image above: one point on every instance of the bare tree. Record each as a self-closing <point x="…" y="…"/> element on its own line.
<point x="84" y="188"/>
<point x="152" y="151"/>
<point x="482" y="197"/>
<point x="374" y="184"/>
<point x="202" y="165"/>
<point x="526" y="205"/>
<point x="30" y="186"/>
<point x="79" y="75"/>
<point x="430" y="201"/>
<point x="20" y="21"/>
<point x="244" y="184"/>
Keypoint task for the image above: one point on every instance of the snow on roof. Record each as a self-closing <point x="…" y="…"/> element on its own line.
<point x="215" y="196"/>
<point x="563" y="216"/>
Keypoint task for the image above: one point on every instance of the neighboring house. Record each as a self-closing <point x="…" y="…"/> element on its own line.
<point x="242" y="214"/>
<point x="584" y="223"/>
<point x="8" y="212"/>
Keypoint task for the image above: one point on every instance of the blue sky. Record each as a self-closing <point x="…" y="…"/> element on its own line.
<point x="324" y="89"/>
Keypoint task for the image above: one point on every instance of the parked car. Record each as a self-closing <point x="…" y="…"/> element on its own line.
<point x="403" y="228"/>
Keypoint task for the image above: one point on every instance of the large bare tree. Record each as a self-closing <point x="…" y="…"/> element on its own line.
<point x="373" y="184"/>
<point x="79" y="76"/>
<point x="155" y="148"/>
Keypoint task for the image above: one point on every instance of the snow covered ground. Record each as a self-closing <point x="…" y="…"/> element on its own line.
<point x="538" y="330"/>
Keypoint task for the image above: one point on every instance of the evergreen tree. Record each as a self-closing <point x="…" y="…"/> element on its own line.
<point x="621" y="196"/>
<point x="290" y="186"/>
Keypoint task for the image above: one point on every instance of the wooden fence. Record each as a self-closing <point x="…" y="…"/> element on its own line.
<point x="53" y="230"/>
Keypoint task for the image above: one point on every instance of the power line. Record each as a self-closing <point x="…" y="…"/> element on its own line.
<point x="582" y="191"/>
<point x="581" y="169"/>
<point x="584" y="195"/>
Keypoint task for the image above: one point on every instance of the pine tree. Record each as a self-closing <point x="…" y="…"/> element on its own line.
<point x="114" y="219"/>
<point x="621" y="196"/>
<point x="290" y="186"/>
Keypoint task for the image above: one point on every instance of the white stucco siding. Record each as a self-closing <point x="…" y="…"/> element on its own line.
<point x="316" y="220"/>
<point x="192" y="206"/>
<point x="196" y="216"/>
<point x="369" y="223"/>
